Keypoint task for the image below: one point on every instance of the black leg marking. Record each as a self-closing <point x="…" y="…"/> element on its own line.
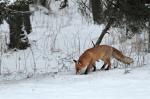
<point x="108" y="67"/>
<point x="86" y="72"/>
<point x="103" y="67"/>
<point x="94" y="68"/>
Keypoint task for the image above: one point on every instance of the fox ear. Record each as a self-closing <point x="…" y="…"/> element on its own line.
<point x="75" y="61"/>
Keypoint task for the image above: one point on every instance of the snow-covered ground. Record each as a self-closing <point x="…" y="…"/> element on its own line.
<point x="46" y="70"/>
<point x="113" y="84"/>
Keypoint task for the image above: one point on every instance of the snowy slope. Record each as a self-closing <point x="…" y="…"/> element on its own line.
<point x="113" y="84"/>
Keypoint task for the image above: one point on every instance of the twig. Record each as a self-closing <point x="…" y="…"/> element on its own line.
<point x="33" y="60"/>
<point x="1" y="61"/>
<point x="85" y="6"/>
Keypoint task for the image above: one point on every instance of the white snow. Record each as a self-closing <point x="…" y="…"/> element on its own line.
<point x="113" y="84"/>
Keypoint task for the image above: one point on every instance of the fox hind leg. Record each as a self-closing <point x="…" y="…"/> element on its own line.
<point x="103" y="67"/>
<point x="109" y="65"/>
<point x="106" y="62"/>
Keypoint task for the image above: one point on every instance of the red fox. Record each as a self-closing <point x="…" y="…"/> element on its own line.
<point x="103" y="52"/>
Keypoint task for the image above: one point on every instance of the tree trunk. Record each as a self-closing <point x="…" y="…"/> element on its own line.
<point x="1" y="19"/>
<point x="96" y="11"/>
<point x="18" y="39"/>
<point x="149" y="38"/>
<point x="26" y="19"/>
<point x="43" y="2"/>
<point x="110" y="22"/>
<point x="17" y="21"/>
<point x="1" y="13"/>
<point x="36" y="1"/>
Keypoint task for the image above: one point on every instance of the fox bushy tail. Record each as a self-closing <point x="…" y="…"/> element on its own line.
<point x="119" y="56"/>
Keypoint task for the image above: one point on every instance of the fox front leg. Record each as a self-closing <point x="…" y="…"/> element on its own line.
<point x="94" y="66"/>
<point x="103" y="67"/>
<point x="87" y="70"/>
<point x="89" y="67"/>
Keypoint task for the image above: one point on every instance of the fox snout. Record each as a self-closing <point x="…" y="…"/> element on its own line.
<point x="81" y="70"/>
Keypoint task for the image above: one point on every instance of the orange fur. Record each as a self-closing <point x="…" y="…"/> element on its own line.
<point x="103" y="52"/>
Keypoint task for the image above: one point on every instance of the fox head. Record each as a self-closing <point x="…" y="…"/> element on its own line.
<point x="80" y="68"/>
